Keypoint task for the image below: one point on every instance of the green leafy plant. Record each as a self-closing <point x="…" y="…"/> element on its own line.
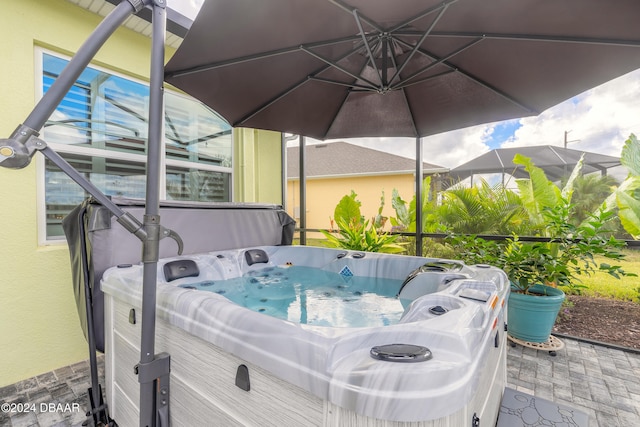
<point x="627" y="199"/>
<point x="356" y="233"/>
<point x="405" y="219"/>
<point x="483" y="209"/>
<point x="571" y="250"/>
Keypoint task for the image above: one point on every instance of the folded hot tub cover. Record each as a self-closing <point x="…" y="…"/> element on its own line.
<point x="97" y="242"/>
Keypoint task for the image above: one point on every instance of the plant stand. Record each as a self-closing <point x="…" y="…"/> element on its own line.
<point x="552" y="345"/>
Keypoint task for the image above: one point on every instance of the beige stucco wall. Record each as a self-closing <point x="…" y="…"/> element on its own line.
<point x="324" y="194"/>
<point x="257" y="164"/>
<point x="39" y="326"/>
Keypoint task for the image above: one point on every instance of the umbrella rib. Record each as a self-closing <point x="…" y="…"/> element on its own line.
<point x="477" y="80"/>
<point x="339" y="83"/>
<point x="415" y="82"/>
<point x="417" y="46"/>
<point x="344" y="101"/>
<point x="366" y="44"/>
<point x="294" y="87"/>
<point x="529" y="37"/>
<point x="350" y="10"/>
<point x="270" y="102"/>
<point x="404" y="83"/>
<point x="338" y="67"/>
<point x="422" y="14"/>
<point x="262" y="55"/>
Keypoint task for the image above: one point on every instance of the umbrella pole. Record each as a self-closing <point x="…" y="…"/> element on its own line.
<point x="419" y="190"/>
<point x="17" y="151"/>
<point x="303" y="190"/>
<point x="153" y="369"/>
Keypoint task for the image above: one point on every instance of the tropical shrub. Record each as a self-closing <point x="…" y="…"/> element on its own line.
<point x="356" y="233"/>
<point x="569" y="253"/>
<point x="627" y="197"/>
<point x="483" y="209"/>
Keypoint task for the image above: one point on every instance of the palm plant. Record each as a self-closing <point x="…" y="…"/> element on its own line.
<point x="483" y="209"/>
<point x="626" y="197"/>
<point x="589" y="192"/>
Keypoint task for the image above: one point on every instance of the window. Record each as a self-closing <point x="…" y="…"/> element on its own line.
<point x="101" y="128"/>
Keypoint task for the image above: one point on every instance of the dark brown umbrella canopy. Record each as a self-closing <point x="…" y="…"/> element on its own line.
<point x="353" y="68"/>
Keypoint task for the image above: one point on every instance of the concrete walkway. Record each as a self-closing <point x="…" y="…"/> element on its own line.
<point x="603" y="382"/>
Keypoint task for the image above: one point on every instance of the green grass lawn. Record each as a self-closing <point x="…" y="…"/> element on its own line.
<point x="606" y="286"/>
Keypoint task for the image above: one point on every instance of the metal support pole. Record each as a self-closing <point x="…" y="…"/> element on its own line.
<point x="303" y="191"/>
<point x="283" y="170"/>
<point x="153" y="370"/>
<point x="17" y="151"/>
<point x="419" y="190"/>
<point x="78" y="63"/>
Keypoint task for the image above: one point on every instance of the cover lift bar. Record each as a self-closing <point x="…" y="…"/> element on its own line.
<point x="17" y="151"/>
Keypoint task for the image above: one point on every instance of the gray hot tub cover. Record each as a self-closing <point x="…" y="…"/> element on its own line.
<point x="97" y="242"/>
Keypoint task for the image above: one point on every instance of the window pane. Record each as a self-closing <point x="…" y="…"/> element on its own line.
<point x="196" y="133"/>
<point x="109" y="113"/>
<point x="100" y="111"/>
<point x="112" y="177"/>
<point x="198" y="185"/>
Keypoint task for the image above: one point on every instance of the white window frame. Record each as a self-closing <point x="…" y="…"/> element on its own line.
<point x="41" y="208"/>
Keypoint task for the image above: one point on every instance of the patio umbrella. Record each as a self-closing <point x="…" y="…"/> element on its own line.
<point x="353" y="68"/>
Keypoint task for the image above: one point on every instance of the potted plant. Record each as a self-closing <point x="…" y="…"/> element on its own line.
<point x="539" y="270"/>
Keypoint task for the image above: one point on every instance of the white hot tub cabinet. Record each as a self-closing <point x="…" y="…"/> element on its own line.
<point x="303" y="375"/>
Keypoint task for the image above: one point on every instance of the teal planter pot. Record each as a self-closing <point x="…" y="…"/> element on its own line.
<point x="531" y="317"/>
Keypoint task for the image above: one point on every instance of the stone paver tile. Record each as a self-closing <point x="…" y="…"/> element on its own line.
<point x="608" y="420"/>
<point x="8" y="391"/>
<point x="562" y="394"/>
<point x="46" y="379"/>
<point x="606" y="408"/>
<point x="26" y="385"/>
<point x="629" y="418"/>
<point x="50" y="418"/>
<point x="617" y="387"/>
<point x="26" y="419"/>
<point x="623" y="404"/>
<point x="579" y="390"/>
<point x="600" y="394"/>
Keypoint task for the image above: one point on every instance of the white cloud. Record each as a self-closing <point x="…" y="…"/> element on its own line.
<point x="598" y="120"/>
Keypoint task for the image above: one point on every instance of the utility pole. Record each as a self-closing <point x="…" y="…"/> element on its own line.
<point x="566" y="141"/>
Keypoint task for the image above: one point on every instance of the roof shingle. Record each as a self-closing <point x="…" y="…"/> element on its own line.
<point x="344" y="159"/>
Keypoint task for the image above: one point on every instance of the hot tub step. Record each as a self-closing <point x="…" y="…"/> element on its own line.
<point x="519" y="409"/>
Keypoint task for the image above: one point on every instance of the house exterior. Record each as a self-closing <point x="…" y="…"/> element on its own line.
<point x="100" y="129"/>
<point x="335" y="169"/>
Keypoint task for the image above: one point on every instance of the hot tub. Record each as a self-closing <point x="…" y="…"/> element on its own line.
<point x="373" y="339"/>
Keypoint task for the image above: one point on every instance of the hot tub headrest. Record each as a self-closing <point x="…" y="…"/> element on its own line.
<point x="181" y="268"/>
<point x="255" y="256"/>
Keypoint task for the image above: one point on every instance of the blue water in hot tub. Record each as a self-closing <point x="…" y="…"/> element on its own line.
<point x="313" y="296"/>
